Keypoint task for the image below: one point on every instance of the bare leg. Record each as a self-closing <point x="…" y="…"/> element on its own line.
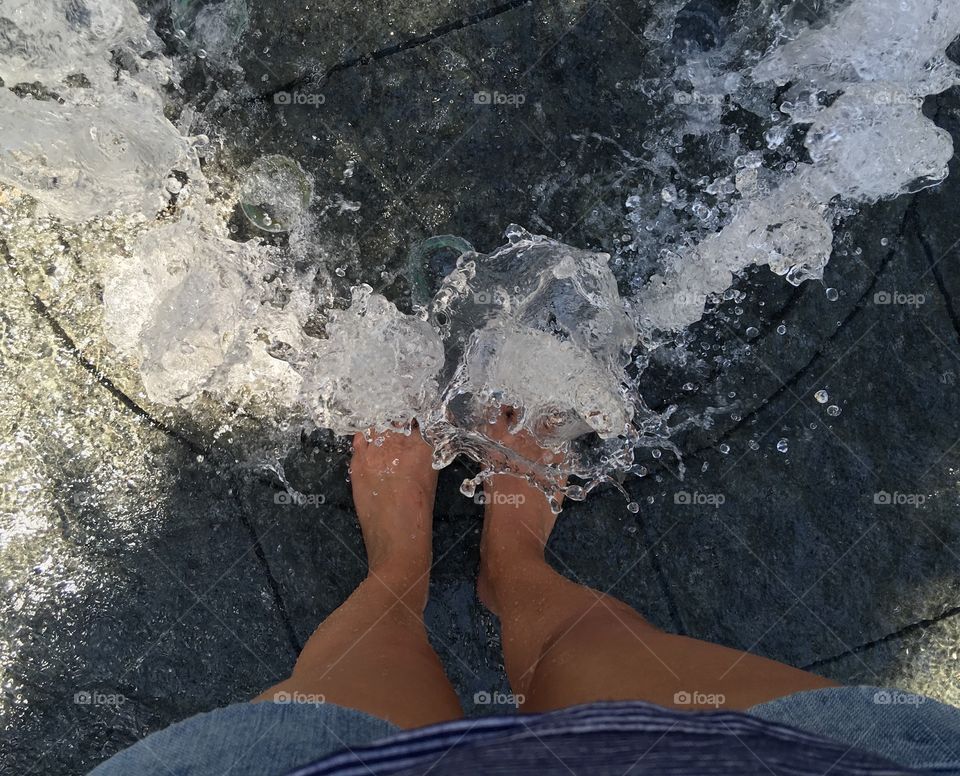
<point x="372" y="653"/>
<point x="566" y="644"/>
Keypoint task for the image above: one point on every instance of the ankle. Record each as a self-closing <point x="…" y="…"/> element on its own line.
<point x="405" y="582"/>
<point x="506" y="560"/>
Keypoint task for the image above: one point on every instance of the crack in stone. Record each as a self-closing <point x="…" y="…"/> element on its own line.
<point x="398" y="48"/>
<point x="798" y="375"/>
<point x="904" y="631"/>
<point x="119" y="395"/>
<point x="937" y="275"/>
<point x="112" y="388"/>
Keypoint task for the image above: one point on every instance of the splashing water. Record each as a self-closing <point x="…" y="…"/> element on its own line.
<point x="872" y="141"/>
<point x="536" y="324"/>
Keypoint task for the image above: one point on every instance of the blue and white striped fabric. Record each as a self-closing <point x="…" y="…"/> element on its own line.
<point x="835" y="731"/>
<point x="621" y="739"/>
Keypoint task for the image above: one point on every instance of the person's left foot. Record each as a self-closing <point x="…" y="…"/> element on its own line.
<point x="394" y="486"/>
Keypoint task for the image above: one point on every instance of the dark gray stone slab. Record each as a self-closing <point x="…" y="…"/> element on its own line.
<point x="429" y="147"/>
<point x="921" y="660"/>
<point x="800" y="562"/>
<point x="287" y="42"/>
<point x="133" y="594"/>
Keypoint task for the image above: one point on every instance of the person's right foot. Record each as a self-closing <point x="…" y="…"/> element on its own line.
<point x="394" y="485"/>
<point x="518" y="519"/>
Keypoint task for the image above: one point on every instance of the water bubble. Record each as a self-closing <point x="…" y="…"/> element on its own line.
<point x="753" y="444"/>
<point x="656" y="453"/>
<point x="884" y="241"/>
<point x="832" y="294"/>
<point x="833" y="410"/>
<point x="821" y="396"/>
<point x="274" y="193"/>
<point x="724" y="448"/>
<point x="633" y="506"/>
<point x="752" y="331"/>
<point x="781" y="329"/>
<point x="783" y="445"/>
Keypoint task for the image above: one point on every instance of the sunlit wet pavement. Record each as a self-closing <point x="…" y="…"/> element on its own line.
<point x="145" y="581"/>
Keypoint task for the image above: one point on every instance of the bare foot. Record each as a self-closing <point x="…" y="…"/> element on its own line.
<point x="517" y="516"/>
<point x="394" y="486"/>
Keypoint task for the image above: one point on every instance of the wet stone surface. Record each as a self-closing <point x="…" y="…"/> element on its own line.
<point x="191" y="585"/>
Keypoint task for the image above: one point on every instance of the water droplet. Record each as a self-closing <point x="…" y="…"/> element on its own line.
<point x="724" y="448"/>
<point x="752" y="331"/>
<point x="633" y="506"/>
<point x="753" y="445"/>
<point x="656" y="453"/>
<point x="781" y="329"/>
<point x="783" y="446"/>
<point x="688" y="386"/>
<point x="884" y="241"/>
<point x="821" y="396"/>
<point x="833" y="410"/>
<point x="832" y="294"/>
